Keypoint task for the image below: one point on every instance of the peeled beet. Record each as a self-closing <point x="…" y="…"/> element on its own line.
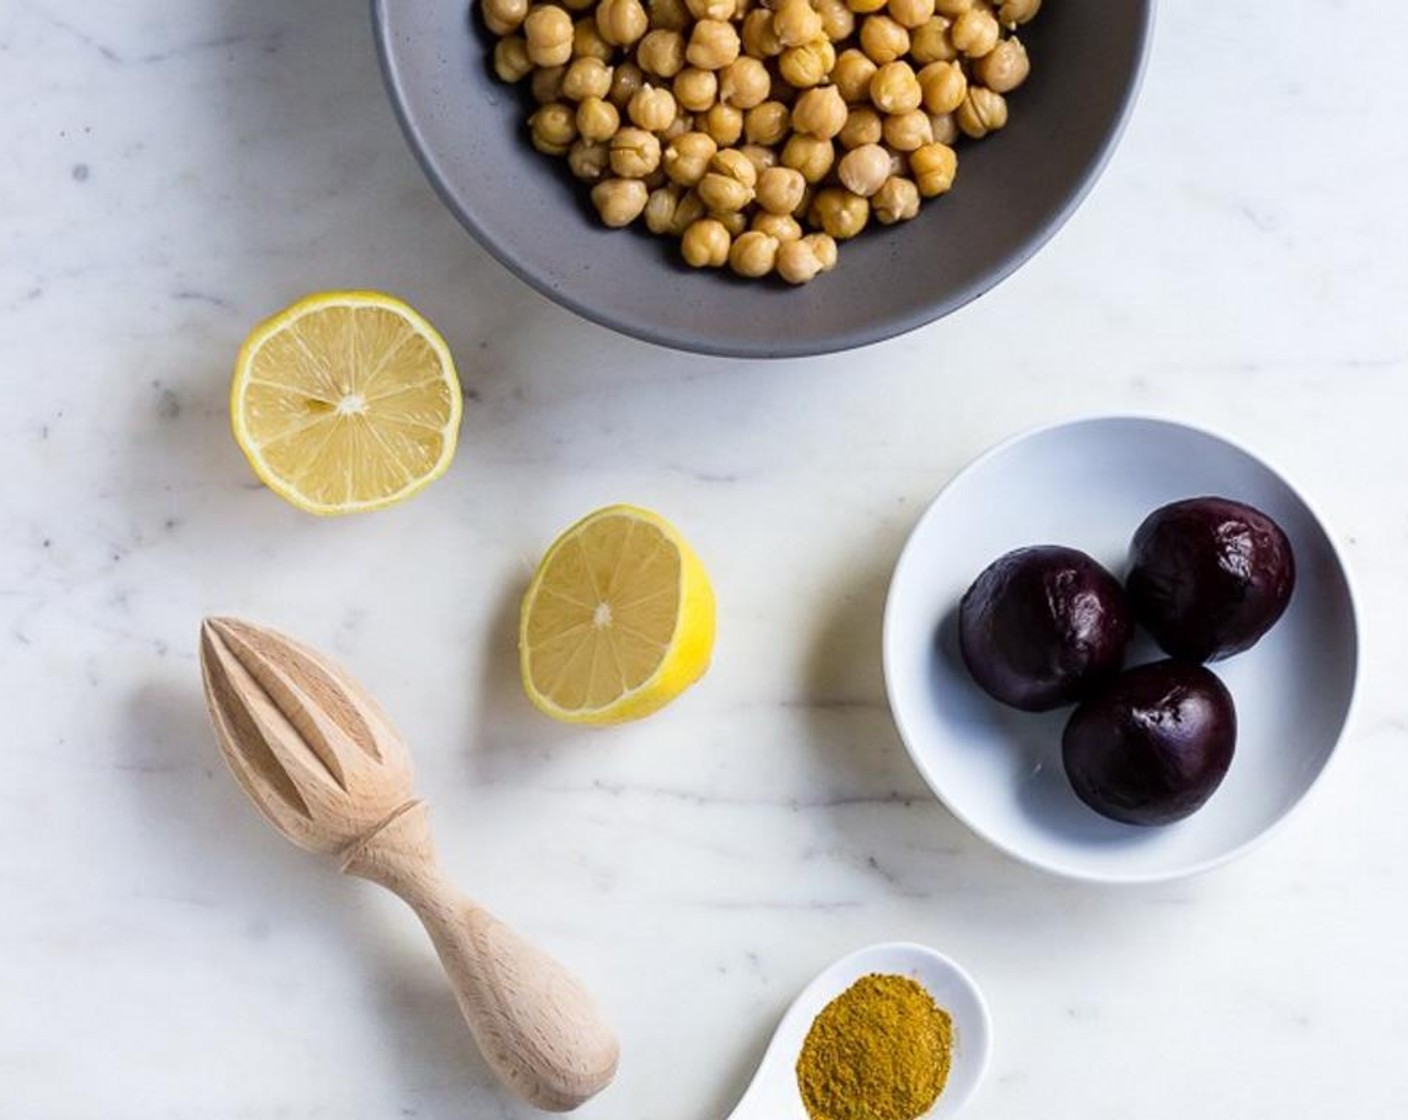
<point x="1042" y="627"/>
<point x="1153" y="746"/>
<point x="1208" y="577"/>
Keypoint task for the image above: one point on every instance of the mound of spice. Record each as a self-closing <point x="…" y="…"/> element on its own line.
<point x="881" y="1050"/>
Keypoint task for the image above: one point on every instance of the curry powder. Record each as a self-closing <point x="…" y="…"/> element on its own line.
<point x="881" y="1050"/>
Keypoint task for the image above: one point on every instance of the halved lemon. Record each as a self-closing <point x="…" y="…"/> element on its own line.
<point x="346" y="401"/>
<point x="618" y="620"/>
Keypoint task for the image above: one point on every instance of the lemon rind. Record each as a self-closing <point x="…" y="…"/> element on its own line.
<point x="694" y="650"/>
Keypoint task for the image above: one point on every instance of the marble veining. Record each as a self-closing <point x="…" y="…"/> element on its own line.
<point x="173" y="172"/>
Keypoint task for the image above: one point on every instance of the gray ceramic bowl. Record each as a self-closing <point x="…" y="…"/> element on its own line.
<point x="1013" y="192"/>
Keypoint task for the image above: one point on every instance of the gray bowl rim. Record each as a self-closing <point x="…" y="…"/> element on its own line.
<point x="700" y="342"/>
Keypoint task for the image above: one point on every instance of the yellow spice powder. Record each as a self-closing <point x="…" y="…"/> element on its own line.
<point x="881" y="1050"/>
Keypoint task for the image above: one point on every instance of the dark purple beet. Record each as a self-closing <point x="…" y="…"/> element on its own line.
<point x="1042" y="627"/>
<point x="1208" y="577"/>
<point x="1154" y="745"/>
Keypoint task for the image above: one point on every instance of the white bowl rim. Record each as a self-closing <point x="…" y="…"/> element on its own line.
<point x="1122" y="878"/>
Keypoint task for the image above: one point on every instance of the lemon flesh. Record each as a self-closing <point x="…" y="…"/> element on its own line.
<point x="346" y="401"/>
<point x="618" y="619"/>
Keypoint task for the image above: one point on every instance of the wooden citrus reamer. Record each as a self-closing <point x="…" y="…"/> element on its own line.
<point x="319" y="758"/>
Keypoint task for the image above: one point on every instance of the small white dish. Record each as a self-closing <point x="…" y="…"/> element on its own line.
<point x="774" y="1094"/>
<point x="1088" y="484"/>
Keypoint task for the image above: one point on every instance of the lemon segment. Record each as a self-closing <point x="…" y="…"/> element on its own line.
<point x="346" y="401"/>
<point x="618" y="619"/>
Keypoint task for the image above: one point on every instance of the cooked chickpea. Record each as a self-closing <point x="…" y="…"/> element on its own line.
<point x="840" y="213"/>
<point x="729" y="184"/>
<point x="587" y="41"/>
<point x="820" y="112"/>
<point x="660" y="209"/>
<point x="944" y="127"/>
<point x="897" y="200"/>
<point x="672" y="110"/>
<point x="735" y="165"/>
<point x="809" y="155"/>
<point x="807" y="65"/>
<point x="713" y="44"/>
<point x="863" y="126"/>
<point x="767" y="123"/>
<point x="975" y="32"/>
<point x="589" y="159"/>
<point x="796" y="23"/>
<point x="661" y="53"/>
<point x="944" y="86"/>
<point x="784" y="227"/>
<point x="511" y="61"/>
<point x="982" y="111"/>
<point x="930" y="42"/>
<point x="652" y="109"/>
<point x="705" y="244"/>
<point x="548" y="31"/>
<point x="895" y="89"/>
<point x="586" y="77"/>
<point x="759" y="156"/>
<point x="1014" y="12"/>
<point x="619" y="201"/>
<point x="554" y="128"/>
<point x="853" y="74"/>
<point x="689" y="211"/>
<point x="621" y="22"/>
<point x="864" y="170"/>
<point x="797" y="262"/>
<point x="504" y="16"/>
<point x="759" y="38"/>
<point x="625" y="80"/>
<point x="683" y="122"/>
<point x="597" y="119"/>
<point x="905" y="132"/>
<point x="753" y="254"/>
<point x="712" y="9"/>
<point x="1005" y="67"/>
<point x="837" y="21"/>
<point x="547" y="84"/>
<point x="933" y="167"/>
<point x="824" y="246"/>
<point x="635" y="153"/>
<point x="911" y="13"/>
<point x="669" y="15"/>
<point x="735" y="221"/>
<point x="696" y="89"/>
<point x="724" y="123"/>
<point x="780" y="189"/>
<point x="883" y="40"/>
<point x="687" y="158"/>
<point x="744" y="83"/>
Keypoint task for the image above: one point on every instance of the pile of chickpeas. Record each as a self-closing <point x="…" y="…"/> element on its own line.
<point x="761" y="132"/>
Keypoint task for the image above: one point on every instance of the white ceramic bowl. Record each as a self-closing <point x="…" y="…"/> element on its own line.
<point x="1088" y="484"/>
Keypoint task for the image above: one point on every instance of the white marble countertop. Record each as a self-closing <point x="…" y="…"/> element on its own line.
<point x="175" y="171"/>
